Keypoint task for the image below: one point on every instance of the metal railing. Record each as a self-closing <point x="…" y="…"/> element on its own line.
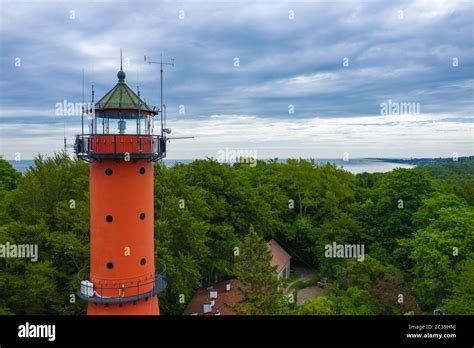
<point x="122" y="292"/>
<point x="91" y="146"/>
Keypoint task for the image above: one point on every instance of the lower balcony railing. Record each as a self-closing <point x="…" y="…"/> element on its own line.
<point x="120" y="292"/>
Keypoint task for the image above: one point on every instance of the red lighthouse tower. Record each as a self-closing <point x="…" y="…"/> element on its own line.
<point x="123" y="277"/>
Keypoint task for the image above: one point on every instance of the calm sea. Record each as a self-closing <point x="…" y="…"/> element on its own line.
<point x="355" y="166"/>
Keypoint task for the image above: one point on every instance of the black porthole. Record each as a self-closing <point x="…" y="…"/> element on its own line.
<point x="142" y="216"/>
<point x="109" y="218"/>
<point x="110" y="265"/>
<point x="108" y="172"/>
<point x="142" y="170"/>
<point x="142" y="261"/>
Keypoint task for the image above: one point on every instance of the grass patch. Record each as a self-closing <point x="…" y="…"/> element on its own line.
<point x="293" y="277"/>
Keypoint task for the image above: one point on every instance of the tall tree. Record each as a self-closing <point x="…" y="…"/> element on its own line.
<point x="436" y="250"/>
<point x="461" y="301"/>
<point x="8" y="175"/>
<point x="394" y="199"/>
<point x="259" y="286"/>
<point x="395" y="298"/>
<point x="320" y="305"/>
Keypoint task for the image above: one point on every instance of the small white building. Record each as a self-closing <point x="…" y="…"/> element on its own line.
<point x="280" y="259"/>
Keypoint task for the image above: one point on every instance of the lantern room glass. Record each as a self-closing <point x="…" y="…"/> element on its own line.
<point x="139" y="124"/>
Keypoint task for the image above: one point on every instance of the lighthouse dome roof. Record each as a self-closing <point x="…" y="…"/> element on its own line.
<point x="121" y="102"/>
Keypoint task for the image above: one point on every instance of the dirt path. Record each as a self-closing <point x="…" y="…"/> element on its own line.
<point x="305" y="273"/>
<point x="307" y="293"/>
<point x="302" y="273"/>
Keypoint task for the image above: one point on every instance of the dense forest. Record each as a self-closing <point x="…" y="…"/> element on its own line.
<point x="417" y="226"/>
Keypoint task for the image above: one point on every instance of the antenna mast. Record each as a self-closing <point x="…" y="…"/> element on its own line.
<point x="92" y="111"/>
<point x="82" y="115"/>
<point x="161" y="83"/>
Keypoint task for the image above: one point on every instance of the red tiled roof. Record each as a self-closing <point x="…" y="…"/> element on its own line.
<point x="279" y="256"/>
<point x="202" y="296"/>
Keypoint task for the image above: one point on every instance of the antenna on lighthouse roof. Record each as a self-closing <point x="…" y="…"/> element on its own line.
<point x="92" y="110"/>
<point x="161" y="84"/>
<point x="82" y="114"/>
<point x="121" y="59"/>
<point x="163" y="106"/>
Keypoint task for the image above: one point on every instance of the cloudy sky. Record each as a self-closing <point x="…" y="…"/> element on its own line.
<point x="297" y="79"/>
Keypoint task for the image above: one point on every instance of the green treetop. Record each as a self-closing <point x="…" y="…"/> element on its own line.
<point x="259" y="285"/>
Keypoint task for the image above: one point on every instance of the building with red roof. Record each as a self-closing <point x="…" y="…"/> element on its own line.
<point x="280" y="259"/>
<point x="216" y="299"/>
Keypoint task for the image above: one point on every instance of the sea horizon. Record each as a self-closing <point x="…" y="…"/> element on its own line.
<point x="352" y="165"/>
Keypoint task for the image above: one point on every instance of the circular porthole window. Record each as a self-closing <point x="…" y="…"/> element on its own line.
<point x="110" y="265"/>
<point x="142" y="216"/>
<point x="108" y="172"/>
<point x="142" y="170"/>
<point x="109" y="218"/>
<point x="142" y="261"/>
